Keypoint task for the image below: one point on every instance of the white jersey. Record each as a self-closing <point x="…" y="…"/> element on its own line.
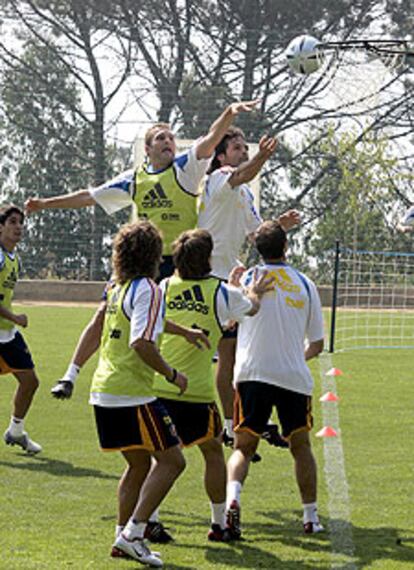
<point x="229" y="215"/>
<point x="118" y="193"/>
<point x="270" y="345"/>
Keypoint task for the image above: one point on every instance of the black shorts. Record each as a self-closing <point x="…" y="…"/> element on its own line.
<point x="148" y="427"/>
<point x="195" y="423"/>
<point x="15" y="355"/>
<point x="254" y="403"/>
<point x="166" y="268"/>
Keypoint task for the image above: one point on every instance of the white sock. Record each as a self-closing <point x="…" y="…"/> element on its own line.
<point x="16" y="426"/>
<point x="118" y="529"/>
<point x="71" y="373"/>
<point x="228" y="426"/>
<point x="218" y="514"/>
<point x="134" y="529"/>
<point x="155" y="517"/>
<point x="310" y="513"/>
<point x="234" y="489"/>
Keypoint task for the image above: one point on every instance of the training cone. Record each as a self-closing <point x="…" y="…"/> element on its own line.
<point x="329" y="397"/>
<point x="326" y="431"/>
<point x="334" y="372"/>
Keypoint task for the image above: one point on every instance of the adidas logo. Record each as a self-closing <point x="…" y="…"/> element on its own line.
<point x="191" y="300"/>
<point x="156" y="198"/>
<point x="10" y="281"/>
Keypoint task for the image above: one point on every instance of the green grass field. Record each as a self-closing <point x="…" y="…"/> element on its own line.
<point x="58" y="509"/>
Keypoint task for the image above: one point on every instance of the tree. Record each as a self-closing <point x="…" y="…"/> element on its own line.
<point x="74" y="36"/>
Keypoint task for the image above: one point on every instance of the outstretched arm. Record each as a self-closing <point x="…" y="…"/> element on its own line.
<point x="79" y="199"/>
<point x="88" y="344"/>
<point x="250" y="169"/>
<point x="207" y="144"/>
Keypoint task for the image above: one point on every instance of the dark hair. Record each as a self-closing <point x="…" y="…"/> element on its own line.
<point x="152" y="131"/>
<point x="231" y="133"/>
<point x="191" y="254"/>
<point x="270" y="240"/>
<point x="136" y="251"/>
<point x="7" y="211"/>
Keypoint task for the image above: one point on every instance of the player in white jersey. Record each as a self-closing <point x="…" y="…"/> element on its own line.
<point x="228" y="213"/>
<point x="164" y="190"/>
<point x="271" y="371"/>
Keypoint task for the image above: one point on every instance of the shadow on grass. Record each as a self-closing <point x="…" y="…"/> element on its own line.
<point x="56" y="467"/>
<point x="362" y="545"/>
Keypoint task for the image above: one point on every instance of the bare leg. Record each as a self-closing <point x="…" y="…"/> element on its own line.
<point x="245" y="446"/>
<point x="305" y="465"/>
<point x="139" y="464"/>
<point x="224" y="374"/>
<point x="28" y="383"/>
<point x="215" y="470"/>
<point x="170" y="464"/>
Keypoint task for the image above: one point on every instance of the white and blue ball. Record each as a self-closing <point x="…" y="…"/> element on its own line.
<point x="303" y="55"/>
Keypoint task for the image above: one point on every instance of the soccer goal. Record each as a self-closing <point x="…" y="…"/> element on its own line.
<point x="372" y="300"/>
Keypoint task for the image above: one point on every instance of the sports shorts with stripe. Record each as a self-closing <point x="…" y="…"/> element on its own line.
<point x="148" y="427"/>
<point x="254" y="402"/>
<point x="195" y="422"/>
<point x="15" y="355"/>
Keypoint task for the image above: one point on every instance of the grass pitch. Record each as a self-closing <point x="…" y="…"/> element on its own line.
<point x="57" y="510"/>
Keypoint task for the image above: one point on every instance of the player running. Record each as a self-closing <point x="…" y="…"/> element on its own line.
<point x="15" y="357"/>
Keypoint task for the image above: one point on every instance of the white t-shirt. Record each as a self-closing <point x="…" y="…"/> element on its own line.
<point x="118" y="192"/>
<point x="232" y="304"/>
<point x="229" y="215"/>
<point x="144" y="305"/>
<point x="270" y="345"/>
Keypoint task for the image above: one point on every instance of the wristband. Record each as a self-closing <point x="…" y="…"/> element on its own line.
<point x="174" y="377"/>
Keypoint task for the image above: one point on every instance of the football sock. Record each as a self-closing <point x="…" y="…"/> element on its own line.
<point x="134" y="529"/>
<point x="118" y="529"/>
<point x="310" y="513"/>
<point x="155" y="517"/>
<point x="16" y="426"/>
<point x="218" y="514"/>
<point x="228" y="426"/>
<point x="233" y="492"/>
<point x="71" y="373"/>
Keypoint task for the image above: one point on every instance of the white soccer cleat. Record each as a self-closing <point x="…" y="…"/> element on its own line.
<point x="139" y="550"/>
<point x="23" y="441"/>
<point x="313" y="527"/>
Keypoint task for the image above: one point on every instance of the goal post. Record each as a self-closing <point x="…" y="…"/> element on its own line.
<point x="372" y="300"/>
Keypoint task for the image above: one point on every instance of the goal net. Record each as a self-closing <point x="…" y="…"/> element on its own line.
<point x="373" y="300"/>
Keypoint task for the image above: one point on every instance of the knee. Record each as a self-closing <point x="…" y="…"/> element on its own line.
<point x="32" y="382"/>
<point x="177" y="463"/>
<point x="247" y="447"/>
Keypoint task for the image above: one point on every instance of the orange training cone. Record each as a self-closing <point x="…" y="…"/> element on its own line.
<point x="329" y="397"/>
<point x="334" y="372"/>
<point x="326" y="431"/>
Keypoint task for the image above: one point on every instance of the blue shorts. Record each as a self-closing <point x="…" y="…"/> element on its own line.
<point x="15" y="355"/>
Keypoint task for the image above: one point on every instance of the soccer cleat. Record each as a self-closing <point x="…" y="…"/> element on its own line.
<point x="312" y="527"/>
<point x="62" y="390"/>
<point x="232" y="530"/>
<point x="273" y="437"/>
<point x="157" y="533"/>
<point x="23" y="441"/>
<point x="117" y="553"/>
<point x="216" y="533"/>
<point x="137" y="549"/>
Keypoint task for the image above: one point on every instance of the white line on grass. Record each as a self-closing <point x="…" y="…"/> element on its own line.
<point x="339" y="526"/>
